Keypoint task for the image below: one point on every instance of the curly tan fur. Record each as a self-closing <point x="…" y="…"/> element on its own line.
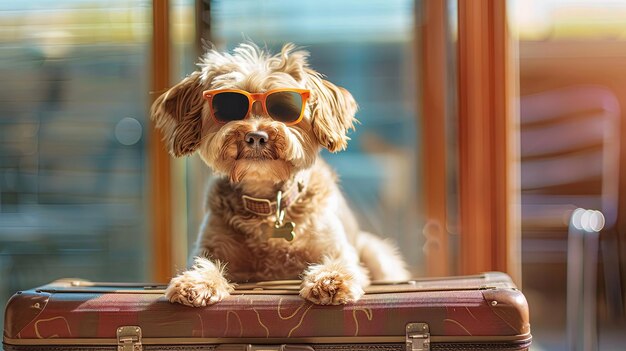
<point x="332" y="256"/>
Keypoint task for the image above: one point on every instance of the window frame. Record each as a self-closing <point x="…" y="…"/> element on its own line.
<point x="488" y="217"/>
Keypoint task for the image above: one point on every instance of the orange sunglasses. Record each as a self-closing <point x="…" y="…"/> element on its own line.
<point x="284" y="105"/>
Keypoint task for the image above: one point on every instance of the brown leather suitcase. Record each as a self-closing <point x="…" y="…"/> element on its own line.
<point x="481" y="312"/>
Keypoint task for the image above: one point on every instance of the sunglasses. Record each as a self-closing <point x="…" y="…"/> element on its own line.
<point x="284" y="105"/>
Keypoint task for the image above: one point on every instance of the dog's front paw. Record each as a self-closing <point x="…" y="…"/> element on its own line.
<point x="191" y="290"/>
<point x="330" y="287"/>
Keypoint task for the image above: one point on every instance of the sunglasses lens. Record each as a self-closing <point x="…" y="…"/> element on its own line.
<point x="284" y="106"/>
<point x="230" y="106"/>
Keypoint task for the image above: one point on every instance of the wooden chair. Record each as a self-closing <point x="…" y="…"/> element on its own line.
<point x="569" y="160"/>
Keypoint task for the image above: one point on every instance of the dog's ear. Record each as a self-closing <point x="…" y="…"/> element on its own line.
<point x="332" y="115"/>
<point x="178" y="114"/>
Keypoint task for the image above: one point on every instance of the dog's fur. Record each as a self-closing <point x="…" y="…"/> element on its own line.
<point x="332" y="256"/>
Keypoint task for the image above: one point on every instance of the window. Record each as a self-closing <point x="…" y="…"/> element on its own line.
<point x="73" y="101"/>
<point x="368" y="48"/>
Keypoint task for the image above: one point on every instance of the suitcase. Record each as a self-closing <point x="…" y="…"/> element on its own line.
<point x="481" y="312"/>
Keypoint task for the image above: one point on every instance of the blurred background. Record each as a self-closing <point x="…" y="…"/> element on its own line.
<point x="77" y="167"/>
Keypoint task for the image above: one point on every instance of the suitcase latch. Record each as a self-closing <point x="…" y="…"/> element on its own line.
<point x="129" y="338"/>
<point x="417" y="337"/>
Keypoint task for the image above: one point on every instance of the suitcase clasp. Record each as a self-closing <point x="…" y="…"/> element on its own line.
<point x="417" y="337"/>
<point x="129" y="338"/>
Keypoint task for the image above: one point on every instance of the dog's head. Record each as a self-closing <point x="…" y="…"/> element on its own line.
<point x="257" y="147"/>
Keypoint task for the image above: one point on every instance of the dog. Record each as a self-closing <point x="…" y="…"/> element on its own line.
<point x="275" y="211"/>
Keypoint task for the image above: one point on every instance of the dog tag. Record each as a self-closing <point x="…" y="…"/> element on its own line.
<point x="285" y="231"/>
<point x="277" y="231"/>
<point x="281" y="229"/>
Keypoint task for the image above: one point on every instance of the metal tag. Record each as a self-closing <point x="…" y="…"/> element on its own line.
<point x="284" y="231"/>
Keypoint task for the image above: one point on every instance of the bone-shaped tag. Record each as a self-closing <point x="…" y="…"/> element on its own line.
<point x="286" y="231"/>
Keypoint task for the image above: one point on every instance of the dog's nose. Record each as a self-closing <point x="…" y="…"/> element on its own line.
<point x="256" y="138"/>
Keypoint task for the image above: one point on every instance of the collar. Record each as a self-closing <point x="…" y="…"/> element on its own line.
<point x="267" y="207"/>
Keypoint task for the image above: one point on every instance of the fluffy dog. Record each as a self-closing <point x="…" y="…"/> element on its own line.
<point x="275" y="211"/>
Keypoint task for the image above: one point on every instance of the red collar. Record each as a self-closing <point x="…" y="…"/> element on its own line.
<point x="267" y="207"/>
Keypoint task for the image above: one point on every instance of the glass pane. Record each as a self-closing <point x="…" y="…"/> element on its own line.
<point x="572" y="98"/>
<point x="366" y="47"/>
<point x="73" y="83"/>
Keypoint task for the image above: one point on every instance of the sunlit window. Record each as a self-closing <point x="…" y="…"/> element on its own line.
<point x="73" y="98"/>
<point x="567" y="19"/>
